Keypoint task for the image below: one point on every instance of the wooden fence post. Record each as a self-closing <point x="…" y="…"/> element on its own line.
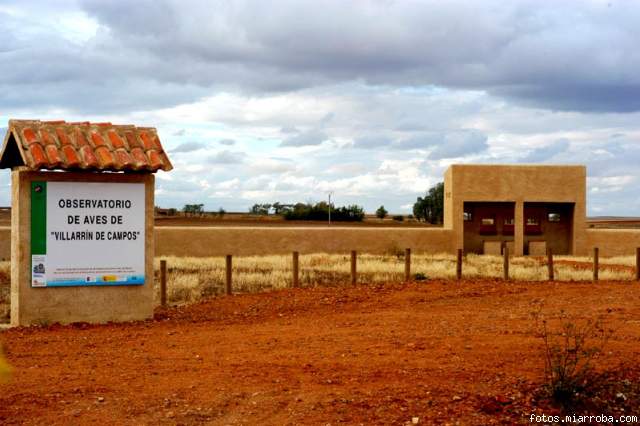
<point x="637" y="263"/>
<point x="459" y="265"/>
<point x="296" y="282"/>
<point x="506" y="263"/>
<point x="354" y="272"/>
<point x="550" y="264"/>
<point x="407" y="264"/>
<point x="595" y="264"/>
<point x="228" y="275"/>
<point x="163" y="283"/>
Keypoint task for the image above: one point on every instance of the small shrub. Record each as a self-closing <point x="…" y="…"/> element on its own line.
<point x="420" y="277"/>
<point x="569" y="354"/>
<point x="398" y="218"/>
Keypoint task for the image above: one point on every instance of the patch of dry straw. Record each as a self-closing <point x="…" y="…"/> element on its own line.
<point x="190" y="279"/>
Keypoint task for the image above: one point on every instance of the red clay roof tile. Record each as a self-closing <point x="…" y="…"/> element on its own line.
<point x="73" y="160"/>
<point x="29" y="136"/>
<point x="86" y="146"/>
<point x="132" y="140"/>
<point x="53" y="154"/>
<point x="63" y="137"/>
<point x="81" y="139"/>
<point x="123" y="158"/>
<point x="116" y="140"/>
<point x="105" y="157"/>
<point x="46" y="138"/>
<point x="89" y="157"/>
<point x="97" y="139"/>
<point x="154" y="159"/>
<point x="38" y="155"/>
<point x="147" y="142"/>
<point x="140" y="160"/>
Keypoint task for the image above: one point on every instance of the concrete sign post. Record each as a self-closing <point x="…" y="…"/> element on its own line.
<point x="82" y="240"/>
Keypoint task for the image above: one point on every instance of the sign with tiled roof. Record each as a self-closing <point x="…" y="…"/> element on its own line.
<point x="82" y="220"/>
<point x="49" y="145"/>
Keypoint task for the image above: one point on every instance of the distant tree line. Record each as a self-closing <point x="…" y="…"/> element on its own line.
<point x="309" y="211"/>
<point x="429" y="208"/>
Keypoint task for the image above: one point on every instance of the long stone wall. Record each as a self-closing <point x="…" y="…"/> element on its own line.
<point x="613" y="242"/>
<point x="244" y="241"/>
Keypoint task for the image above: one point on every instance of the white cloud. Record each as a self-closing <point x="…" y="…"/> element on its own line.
<point x="371" y="100"/>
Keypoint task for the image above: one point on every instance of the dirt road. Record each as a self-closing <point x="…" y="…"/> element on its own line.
<point x="439" y="352"/>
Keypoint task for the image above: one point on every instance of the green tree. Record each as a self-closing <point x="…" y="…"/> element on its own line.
<point x="278" y="208"/>
<point x="381" y="213"/>
<point x="261" y="209"/>
<point x="193" y="209"/>
<point x="221" y="212"/>
<point x="431" y="207"/>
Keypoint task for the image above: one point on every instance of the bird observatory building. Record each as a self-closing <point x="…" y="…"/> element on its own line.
<point x="527" y="209"/>
<point x="82" y="220"/>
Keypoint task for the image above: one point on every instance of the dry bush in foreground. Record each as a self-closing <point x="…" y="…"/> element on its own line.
<point x="571" y="346"/>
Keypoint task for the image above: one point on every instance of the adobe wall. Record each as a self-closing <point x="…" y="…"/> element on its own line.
<point x="245" y="241"/>
<point x="5" y="243"/>
<point x="613" y="242"/>
<point x="200" y="242"/>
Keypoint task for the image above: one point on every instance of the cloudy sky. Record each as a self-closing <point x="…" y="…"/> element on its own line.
<point x="371" y="100"/>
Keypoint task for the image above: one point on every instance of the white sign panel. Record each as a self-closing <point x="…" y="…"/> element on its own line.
<point x="87" y="234"/>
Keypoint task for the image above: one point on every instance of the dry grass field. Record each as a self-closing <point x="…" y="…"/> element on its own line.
<point x="191" y="279"/>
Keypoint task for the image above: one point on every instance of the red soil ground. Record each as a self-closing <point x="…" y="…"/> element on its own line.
<point x="439" y="351"/>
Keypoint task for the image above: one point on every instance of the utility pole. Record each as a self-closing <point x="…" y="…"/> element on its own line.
<point x="329" y="208"/>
